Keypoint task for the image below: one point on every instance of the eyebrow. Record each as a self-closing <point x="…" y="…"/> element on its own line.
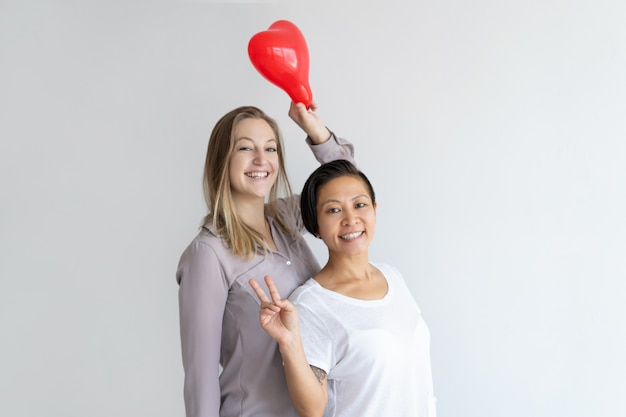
<point x="356" y="197"/>
<point x="252" y="140"/>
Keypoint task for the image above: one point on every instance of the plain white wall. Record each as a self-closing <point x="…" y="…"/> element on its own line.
<point x="494" y="133"/>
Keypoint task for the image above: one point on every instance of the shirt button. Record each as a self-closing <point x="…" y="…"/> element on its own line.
<point x="288" y="263"/>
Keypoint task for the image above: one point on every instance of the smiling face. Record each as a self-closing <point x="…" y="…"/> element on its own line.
<point x="254" y="161"/>
<point x="346" y="215"/>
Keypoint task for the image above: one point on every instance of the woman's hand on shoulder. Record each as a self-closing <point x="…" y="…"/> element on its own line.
<point x="309" y="121"/>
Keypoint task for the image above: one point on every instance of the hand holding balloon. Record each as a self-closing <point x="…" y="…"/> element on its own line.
<point x="280" y="54"/>
<point x="309" y="122"/>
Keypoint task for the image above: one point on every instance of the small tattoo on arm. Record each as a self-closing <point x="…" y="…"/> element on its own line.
<point x="320" y="374"/>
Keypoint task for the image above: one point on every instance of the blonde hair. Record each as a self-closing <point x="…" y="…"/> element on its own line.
<point x="244" y="241"/>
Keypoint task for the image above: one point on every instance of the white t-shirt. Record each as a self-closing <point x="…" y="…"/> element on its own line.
<point x="376" y="352"/>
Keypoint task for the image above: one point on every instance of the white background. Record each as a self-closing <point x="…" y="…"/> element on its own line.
<point x="494" y="133"/>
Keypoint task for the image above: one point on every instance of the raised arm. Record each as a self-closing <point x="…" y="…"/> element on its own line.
<point x="307" y="385"/>
<point x="310" y="122"/>
<point x="326" y="146"/>
<point x="202" y="298"/>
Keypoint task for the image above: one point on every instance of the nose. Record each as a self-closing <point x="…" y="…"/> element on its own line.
<point x="259" y="157"/>
<point x="350" y="218"/>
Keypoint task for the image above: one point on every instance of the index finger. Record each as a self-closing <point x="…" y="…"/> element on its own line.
<point x="258" y="291"/>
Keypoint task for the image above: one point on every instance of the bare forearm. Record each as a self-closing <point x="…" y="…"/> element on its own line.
<point x="320" y="135"/>
<point x="309" y="122"/>
<point x="308" y="394"/>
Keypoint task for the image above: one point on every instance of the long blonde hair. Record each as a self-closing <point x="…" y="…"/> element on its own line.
<point x="240" y="238"/>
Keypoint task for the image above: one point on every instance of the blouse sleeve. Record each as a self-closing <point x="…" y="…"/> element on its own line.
<point x="202" y="298"/>
<point x="333" y="149"/>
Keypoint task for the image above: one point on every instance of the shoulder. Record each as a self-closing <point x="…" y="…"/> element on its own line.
<point x="397" y="283"/>
<point x="388" y="270"/>
<point x="313" y="308"/>
<point x="287" y="205"/>
<point x="205" y="242"/>
<point x="287" y="211"/>
<point x="392" y="275"/>
<point x="206" y="254"/>
<point x="306" y="292"/>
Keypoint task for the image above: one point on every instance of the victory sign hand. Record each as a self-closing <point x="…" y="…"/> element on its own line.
<point x="278" y="317"/>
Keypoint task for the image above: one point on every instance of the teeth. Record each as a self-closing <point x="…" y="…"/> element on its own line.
<point x="257" y="174"/>
<point x="351" y="236"/>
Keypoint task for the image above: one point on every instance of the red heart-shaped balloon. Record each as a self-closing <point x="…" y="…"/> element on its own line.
<point x="281" y="55"/>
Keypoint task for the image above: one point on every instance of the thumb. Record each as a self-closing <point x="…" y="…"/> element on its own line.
<point x="301" y="109"/>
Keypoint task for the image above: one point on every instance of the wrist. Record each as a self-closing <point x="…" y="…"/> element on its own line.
<point x="291" y="345"/>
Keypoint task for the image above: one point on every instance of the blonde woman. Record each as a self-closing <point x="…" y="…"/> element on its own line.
<point x="253" y="228"/>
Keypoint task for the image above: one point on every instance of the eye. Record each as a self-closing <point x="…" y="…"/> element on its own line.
<point x="333" y="210"/>
<point x="360" y="205"/>
<point x="271" y="149"/>
<point x="244" y="148"/>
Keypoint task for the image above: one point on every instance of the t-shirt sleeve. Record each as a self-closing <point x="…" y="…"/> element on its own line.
<point x="316" y="339"/>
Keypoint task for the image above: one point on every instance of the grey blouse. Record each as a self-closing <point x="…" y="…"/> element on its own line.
<point x="232" y="367"/>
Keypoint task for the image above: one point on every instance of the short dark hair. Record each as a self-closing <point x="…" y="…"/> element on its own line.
<point x="322" y="175"/>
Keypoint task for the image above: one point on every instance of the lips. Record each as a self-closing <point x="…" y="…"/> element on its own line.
<point x="351" y="236"/>
<point x="258" y="174"/>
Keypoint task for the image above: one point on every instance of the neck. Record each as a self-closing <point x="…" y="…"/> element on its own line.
<point x="251" y="212"/>
<point x="341" y="267"/>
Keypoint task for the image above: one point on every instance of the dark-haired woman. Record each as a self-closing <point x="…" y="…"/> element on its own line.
<point x="352" y="338"/>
